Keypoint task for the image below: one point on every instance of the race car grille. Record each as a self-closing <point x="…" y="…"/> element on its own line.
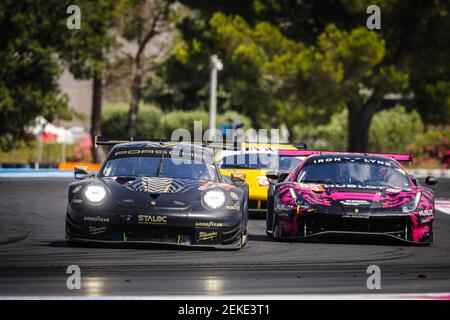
<point x="392" y="225"/>
<point x="176" y="235"/>
<point x="231" y="235"/>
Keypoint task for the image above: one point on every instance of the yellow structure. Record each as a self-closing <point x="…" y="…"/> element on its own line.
<point x="255" y="160"/>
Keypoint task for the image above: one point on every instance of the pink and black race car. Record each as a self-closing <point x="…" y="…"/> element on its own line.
<point x="332" y="193"/>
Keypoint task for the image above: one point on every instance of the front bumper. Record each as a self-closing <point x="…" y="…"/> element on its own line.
<point x="202" y="229"/>
<point x="396" y="226"/>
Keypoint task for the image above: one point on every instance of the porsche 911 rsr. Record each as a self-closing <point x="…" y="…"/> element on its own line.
<point x="152" y="192"/>
<point x="350" y="194"/>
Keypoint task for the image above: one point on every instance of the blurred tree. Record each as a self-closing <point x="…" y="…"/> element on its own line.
<point x="87" y="51"/>
<point x="273" y="78"/>
<point x="143" y="21"/>
<point x="151" y="119"/>
<point x="323" y="59"/>
<point x="330" y="136"/>
<point x="417" y="40"/>
<point x="30" y="36"/>
<point x="393" y="130"/>
<point x="350" y="68"/>
<point x="182" y="83"/>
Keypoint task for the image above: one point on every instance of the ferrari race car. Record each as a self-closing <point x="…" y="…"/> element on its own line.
<point x="157" y="192"/>
<point x="255" y="162"/>
<point x="333" y="193"/>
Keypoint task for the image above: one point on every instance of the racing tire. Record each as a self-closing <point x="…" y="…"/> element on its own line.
<point x="269" y="212"/>
<point x="277" y="233"/>
<point x="271" y="232"/>
<point x="431" y="239"/>
<point x="244" y="230"/>
<point x="243" y="240"/>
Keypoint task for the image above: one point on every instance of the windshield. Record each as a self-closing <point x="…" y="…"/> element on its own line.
<point x="354" y="173"/>
<point x="289" y="163"/>
<point x="261" y="161"/>
<point x="147" y="166"/>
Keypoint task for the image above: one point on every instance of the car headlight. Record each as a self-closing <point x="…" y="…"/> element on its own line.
<point x="95" y="193"/>
<point x="302" y="203"/>
<point x="299" y="200"/>
<point x="412" y="204"/>
<point x="214" y="199"/>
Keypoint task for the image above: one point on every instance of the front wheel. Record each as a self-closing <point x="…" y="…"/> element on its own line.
<point x="270" y="230"/>
<point x="269" y="212"/>
<point x="244" y="230"/>
<point x="277" y="232"/>
<point x="243" y="239"/>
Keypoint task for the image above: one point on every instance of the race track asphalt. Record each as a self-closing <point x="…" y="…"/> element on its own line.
<point x="34" y="258"/>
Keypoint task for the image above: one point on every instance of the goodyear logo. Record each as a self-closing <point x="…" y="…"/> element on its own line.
<point x="209" y="224"/>
<point x="147" y="219"/>
<point x="96" y="219"/>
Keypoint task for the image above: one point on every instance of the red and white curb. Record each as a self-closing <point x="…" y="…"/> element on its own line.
<point x="442" y="205"/>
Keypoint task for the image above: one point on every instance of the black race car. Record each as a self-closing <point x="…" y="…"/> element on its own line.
<point x="158" y="192"/>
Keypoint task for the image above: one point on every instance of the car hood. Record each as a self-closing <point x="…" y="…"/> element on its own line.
<point x="166" y="192"/>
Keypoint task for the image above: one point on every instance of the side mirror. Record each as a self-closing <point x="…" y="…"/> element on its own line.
<point x="80" y="172"/>
<point x="273" y="176"/>
<point x="431" y="181"/>
<point x="238" y="177"/>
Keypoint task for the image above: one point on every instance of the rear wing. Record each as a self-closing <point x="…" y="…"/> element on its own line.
<point x="400" y="157"/>
<point x="273" y="147"/>
<point x="300" y="146"/>
<point x="217" y="145"/>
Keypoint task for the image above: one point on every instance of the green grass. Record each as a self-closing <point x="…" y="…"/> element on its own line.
<point x="123" y="107"/>
<point x="51" y="153"/>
